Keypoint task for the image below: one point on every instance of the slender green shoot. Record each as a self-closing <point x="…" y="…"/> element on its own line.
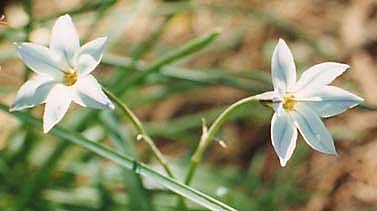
<point x="142" y="134"/>
<point x="129" y="163"/>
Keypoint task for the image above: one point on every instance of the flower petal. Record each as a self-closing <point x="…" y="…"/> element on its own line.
<point x="313" y="130"/>
<point x="328" y="101"/>
<point x="89" y="94"/>
<point x="283" y="135"/>
<point x="41" y="59"/>
<point x="320" y="74"/>
<point x="57" y="104"/>
<point x="283" y="68"/>
<point x="89" y="55"/>
<point x="32" y="93"/>
<point x="64" y="37"/>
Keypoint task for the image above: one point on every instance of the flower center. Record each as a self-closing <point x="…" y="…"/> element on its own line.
<point x="289" y="102"/>
<point x="70" y="77"/>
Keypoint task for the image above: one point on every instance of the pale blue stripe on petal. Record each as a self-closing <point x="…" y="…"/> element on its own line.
<point x="32" y="93"/>
<point x="328" y="101"/>
<point x="41" y="59"/>
<point x="283" y="135"/>
<point x="283" y="68"/>
<point x="89" y="55"/>
<point x="320" y="75"/>
<point x="313" y="130"/>
<point x="57" y="104"/>
<point x="88" y="93"/>
<point x="64" y="37"/>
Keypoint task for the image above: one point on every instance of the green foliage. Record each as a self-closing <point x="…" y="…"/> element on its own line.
<point x="93" y="161"/>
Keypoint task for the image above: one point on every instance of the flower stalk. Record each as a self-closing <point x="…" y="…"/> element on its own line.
<point x="209" y="134"/>
<point x="127" y="162"/>
<point x="142" y="134"/>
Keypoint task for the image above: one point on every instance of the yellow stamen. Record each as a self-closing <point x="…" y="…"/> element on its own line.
<point x="289" y="102"/>
<point x="70" y="77"/>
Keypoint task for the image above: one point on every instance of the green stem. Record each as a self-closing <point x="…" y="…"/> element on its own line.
<point x="142" y="134"/>
<point x="36" y="184"/>
<point x="149" y="43"/>
<point x="195" y="76"/>
<point x="187" y="49"/>
<point x="209" y="134"/>
<point x="137" y="197"/>
<point x="40" y="177"/>
<point x="127" y="162"/>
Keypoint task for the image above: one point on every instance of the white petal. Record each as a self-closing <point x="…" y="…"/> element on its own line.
<point x="89" y="55"/>
<point x="32" y="93"/>
<point x="41" y="59"/>
<point x="313" y="130"/>
<point x="328" y="101"/>
<point x="57" y="104"/>
<point x="64" y="37"/>
<point x="89" y="94"/>
<point x="283" y="68"/>
<point x="320" y="74"/>
<point x="283" y="135"/>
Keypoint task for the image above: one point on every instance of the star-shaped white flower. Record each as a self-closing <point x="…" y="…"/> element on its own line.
<point x="63" y="74"/>
<point x="299" y="105"/>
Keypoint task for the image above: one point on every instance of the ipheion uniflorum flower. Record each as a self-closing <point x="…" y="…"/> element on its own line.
<point x="298" y="105"/>
<point x="63" y="74"/>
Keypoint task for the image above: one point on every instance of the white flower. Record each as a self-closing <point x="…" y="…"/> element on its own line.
<point x="299" y="105"/>
<point x="63" y="74"/>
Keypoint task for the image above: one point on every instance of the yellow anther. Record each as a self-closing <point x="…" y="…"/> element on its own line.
<point x="289" y="102"/>
<point x="70" y="77"/>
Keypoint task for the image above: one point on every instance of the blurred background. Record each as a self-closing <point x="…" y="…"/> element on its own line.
<point x="39" y="172"/>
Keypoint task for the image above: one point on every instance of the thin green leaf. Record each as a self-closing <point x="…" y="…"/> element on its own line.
<point x="187" y="49"/>
<point x="194" y="76"/>
<point x="138" y="196"/>
<point x="35" y="184"/>
<point x="129" y="163"/>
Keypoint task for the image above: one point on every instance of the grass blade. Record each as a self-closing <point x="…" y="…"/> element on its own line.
<point x="129" y="163"/>
<point x="138" y="195"/>
<point x="187" y="49"/>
